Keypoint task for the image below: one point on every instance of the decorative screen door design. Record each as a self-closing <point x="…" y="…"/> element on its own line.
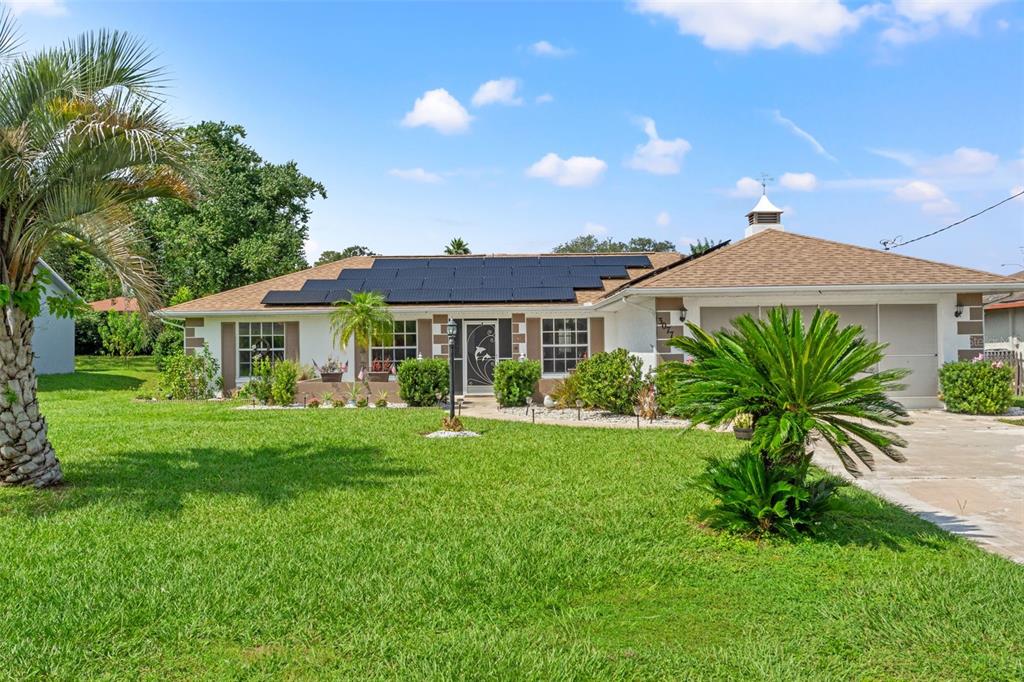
<point x="481" y="350"/>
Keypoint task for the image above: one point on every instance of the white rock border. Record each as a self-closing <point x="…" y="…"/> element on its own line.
<point x="452" y="434"/>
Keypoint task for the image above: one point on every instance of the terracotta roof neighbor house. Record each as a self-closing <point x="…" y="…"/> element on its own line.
<point x="561" y="308"/>
<point x="118" y="304"/>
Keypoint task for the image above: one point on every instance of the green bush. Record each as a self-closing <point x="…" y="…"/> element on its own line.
<point x="261" y="384"/>
<point x="421" y="382"/>
<point x="756" y="499"/>
<point x="189" y="377"/>
<point x="515" y="380"/>
<point x="170" y="341"/>
<point x="610" y="381"/>
<point x="87" y="333"/>
<point x="284" y="382"/>
<point x="124" y="334"/>
<point x="669" y="389"/>
<point x="977" y="387"/>
<point x="566" y="392"/>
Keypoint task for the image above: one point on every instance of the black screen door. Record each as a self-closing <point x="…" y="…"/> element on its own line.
<point x="480" y="350"/>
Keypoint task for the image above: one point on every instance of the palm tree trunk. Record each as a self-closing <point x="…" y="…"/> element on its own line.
<point x="26" y="456"/>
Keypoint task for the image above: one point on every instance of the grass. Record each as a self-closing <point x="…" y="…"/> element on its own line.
<point x="198" y="541"/>
<point x="1013" y="422"/>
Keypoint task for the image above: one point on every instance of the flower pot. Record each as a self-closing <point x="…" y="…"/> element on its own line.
<point x="743" y="434"/>
<point x="549" y="401"/>
<point x="330" y="377"/>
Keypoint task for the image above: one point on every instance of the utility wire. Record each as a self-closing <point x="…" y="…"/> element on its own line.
<point x="889" y="244"/>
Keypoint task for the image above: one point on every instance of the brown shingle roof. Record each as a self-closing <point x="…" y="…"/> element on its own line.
<point x="777" y="258"/>
<point x="248" y="298"/>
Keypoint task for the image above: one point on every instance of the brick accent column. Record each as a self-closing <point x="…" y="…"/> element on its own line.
<point x="970" y="326"/>
<point x="665" y="318"/>
<point x="439" y="336"/>
<point x="518" y="336"/>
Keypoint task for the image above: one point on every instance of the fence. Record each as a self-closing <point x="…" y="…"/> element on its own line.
<point x="1013" y="358"/>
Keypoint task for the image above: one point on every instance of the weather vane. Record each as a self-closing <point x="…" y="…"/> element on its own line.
<point x="765" y="179"/>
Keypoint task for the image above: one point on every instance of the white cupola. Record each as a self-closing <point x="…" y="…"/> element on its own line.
<point x="764" y="216"/>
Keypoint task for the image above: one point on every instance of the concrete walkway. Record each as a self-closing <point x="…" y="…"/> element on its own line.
<point x="963" y="473"/>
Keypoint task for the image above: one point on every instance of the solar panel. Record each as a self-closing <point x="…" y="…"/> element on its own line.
<point x="629" y="261"/>
<point x="481" y="295"/>
<point x="543" y="294"/>
<point x="399" y="263"/>
<point x="320" y="284"/>
<point x="456" y="262"/>
<point x="515" y="261"/>
<point x="577" y="282"/>
<point x="566" y="260"/>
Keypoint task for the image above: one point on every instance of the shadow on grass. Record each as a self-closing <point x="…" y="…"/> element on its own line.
<point x="160" y="482"/>
<point x="87" y="380"/>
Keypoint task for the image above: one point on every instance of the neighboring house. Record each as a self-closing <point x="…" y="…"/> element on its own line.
<point x="53" y="340"/>
<point x="1004" y="320"/>
<point x="118" y="304"/>
<point x="561" y="308"/>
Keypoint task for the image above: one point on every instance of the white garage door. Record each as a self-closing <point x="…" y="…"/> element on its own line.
<point x="910" y="330"/>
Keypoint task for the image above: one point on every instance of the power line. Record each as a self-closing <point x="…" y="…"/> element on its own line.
<point x="889" y="244"/>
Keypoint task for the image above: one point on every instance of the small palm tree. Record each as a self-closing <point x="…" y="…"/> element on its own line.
<point x="457" y="247"/>
<point x="83" y="137"/>
<point x="363" y="318"/>
<point x="797" y="383"/>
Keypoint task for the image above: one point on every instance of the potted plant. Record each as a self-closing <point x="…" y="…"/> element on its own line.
<point x="382" y="399"/>
<point x="743" y="426"/>
<point x="354" y="395"/>
<point x="332" y="371"/>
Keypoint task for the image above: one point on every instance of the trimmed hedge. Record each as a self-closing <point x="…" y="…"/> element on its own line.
<point x="976" y="386"/>
<point x="610" y="381"/>
<point x="421" y="382"/>
<point x="515" y="380"/>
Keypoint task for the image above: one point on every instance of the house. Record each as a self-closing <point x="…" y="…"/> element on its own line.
<point x="53" y="340"/>
<point x="117" y="304"/>
<point x="1004" y="320"/>
<point x="561" y="308"/>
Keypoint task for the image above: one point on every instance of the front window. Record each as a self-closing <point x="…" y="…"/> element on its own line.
<point x="259" y="340"/>
<point x="403" y="345"/>
<point x="563" y="343"/>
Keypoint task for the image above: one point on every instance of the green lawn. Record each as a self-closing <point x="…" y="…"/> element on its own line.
<point x="198" y="541"/>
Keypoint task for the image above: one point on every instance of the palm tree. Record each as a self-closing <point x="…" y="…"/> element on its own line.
<point x="83" y="137"/>
<point x="363" y="318"/>
<point x="797" y="383"/>
<point x="457" y="247"/>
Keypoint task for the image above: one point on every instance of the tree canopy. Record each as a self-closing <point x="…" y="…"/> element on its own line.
<point x="588" y="243"/>
<point x="329" y="256"/>
<point x="250" y="223"/>
<point x="457" y="247"/>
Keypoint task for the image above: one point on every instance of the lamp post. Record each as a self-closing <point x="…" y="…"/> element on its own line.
<point x="453" y="329"/>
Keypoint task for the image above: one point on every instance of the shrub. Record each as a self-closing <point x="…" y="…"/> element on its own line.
<point x="977" y="386"/>
<point x="87" y="333"/>
<point x="422" y="382"/>
<point x="566" y="392"/>
<point x="284" y="382"/>
<point x="189" y="377"/>
<point x="610" y="381"/>
<point x="261" y="383"/>
<point x="515" y="380"/>
<point x="170" y="341"/>
<point x="756" y="498"/>
<point x="124" y="334"/>
<point x="667" y="385"/>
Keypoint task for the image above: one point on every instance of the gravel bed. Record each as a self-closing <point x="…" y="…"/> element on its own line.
<point x="592" y="416"/>
<point x="452" y="434"/>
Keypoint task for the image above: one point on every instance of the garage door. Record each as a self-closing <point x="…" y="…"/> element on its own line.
<point x="910" y="330"/>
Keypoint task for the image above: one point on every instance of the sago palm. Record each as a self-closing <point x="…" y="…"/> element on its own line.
<point x="457" y="247"/>
<point x="797" y="383"/>
<point x="83" y="137"/>
<point x="363" y="318"/>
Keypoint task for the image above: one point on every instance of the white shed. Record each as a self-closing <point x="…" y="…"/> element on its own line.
<point x="54" y="339"/>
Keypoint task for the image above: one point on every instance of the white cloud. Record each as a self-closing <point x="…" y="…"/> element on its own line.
<point x="801" y="182"/>
<point x="415" y="175"/>
<point x="746" y="187"/>
<point x="439" y="110"/>
<point x="1002" y="24"/>
<point x="801" y="133"/>
<point x="576" y="171"/>
<point x="46" y="8"/>
<point x="546" y="98"/>
<point x="962" y="161"/>
<point x="931" y="198"/>
<point x="663" y="219"/>
<point x="313" y="250"/>
<point x="811" y="25"/>
<point x="498" y="91"/>
<point x="1016" y="189"/>
<point x="658" y="156"/>
<point x="595" y="229"/>
<point x="543" y="48"/>
<point x="912" y="21"/>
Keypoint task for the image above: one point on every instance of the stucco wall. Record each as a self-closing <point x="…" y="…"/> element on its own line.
<point x="53" y="344"/>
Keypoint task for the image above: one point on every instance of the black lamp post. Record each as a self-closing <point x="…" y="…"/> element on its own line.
<point x="453" y="329"/>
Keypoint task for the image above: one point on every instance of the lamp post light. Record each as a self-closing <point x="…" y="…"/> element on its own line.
<point x="453" y="329"/>
<point x="579" y="410"/>
<point x="636" y="411"/>
<point x="529" y="401"/>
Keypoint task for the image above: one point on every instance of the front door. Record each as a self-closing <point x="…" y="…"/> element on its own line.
<point x="481" y="351"/>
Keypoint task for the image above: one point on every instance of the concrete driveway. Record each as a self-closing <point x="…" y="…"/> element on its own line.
<point x="964" y="473"/>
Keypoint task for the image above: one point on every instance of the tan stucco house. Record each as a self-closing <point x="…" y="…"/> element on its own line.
<point x="559" y="308"/>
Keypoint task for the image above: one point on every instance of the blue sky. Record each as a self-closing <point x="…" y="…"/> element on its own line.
<point x="519" y="126"/>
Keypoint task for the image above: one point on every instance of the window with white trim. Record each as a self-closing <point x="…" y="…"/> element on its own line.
<point x="259" y="340"/>
<point x="564" y="342"/>
<point x="403" y="345"/>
